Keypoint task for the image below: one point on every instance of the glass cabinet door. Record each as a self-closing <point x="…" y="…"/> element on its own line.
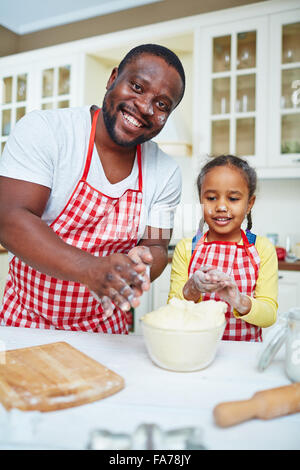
<point x="13" y="104"/>
<point x="290" y="89"/>
<point x="233" y="107"/>
<point x="232" y="90"/>
<point x="284" y="127"/>
<point x="55" y="87"/>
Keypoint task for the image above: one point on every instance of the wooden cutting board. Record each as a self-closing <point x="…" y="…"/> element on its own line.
<point x="52" y="377"/>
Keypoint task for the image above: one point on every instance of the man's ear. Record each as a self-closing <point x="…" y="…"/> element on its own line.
<point x="112" y="77"/>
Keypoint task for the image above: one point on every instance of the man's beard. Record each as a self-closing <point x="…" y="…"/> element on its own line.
<point x="110" y="124"/>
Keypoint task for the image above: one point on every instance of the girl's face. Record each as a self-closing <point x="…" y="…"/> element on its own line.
<point x="225" y="199"/>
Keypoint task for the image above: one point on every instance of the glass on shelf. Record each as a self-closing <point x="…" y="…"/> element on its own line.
<point x="6" y="121"/>
<point x="7" y="90"/>
<point x="220" y="136"/>
<point x="222" y="54"/>
<point x="246" y="50"/>
<point x="63" y="104"/>
<point x="221" y="95"/>
<point x="290" y="137"/>
<point x="290" y="88"/>
<point x="22" y="87"/>
<point x="290" y="43"/>
<point x="20" y="112"/>
<point x="245" y="93"/>
<point x="64" y="80"/>
<point x="48" y="83"/>
<point x="245" y="136"/>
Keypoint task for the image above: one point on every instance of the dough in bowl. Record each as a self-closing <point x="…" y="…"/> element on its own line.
<point x="185" y="315"/>
<point x="184" y="336"/>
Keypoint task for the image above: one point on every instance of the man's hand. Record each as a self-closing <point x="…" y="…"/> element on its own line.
<point x="141" y="255"/>
<point x="142" y="260"/>
<point x="118" y="279"/>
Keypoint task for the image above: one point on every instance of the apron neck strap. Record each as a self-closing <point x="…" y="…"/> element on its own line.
<point x="139" y="161"/>
<point x="91" y="145"/>
<point x="90" y="152"/>
<point x="244" y="238"/>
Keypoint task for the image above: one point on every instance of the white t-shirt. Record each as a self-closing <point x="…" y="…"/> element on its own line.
<point x="50" y="147"/>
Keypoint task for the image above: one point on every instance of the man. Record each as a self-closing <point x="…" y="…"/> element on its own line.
<point x="87" y="201"/>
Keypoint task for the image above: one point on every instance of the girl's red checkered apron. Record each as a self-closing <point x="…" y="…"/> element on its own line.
<point x="240" y="262"/>
<point x="93" y="222"/>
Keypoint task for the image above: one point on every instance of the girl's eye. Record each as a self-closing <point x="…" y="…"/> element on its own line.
<point x="233" y="199"/>
<point x="211" y="198"/>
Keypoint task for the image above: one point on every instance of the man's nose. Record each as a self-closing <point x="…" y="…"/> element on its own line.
<point x="145" y="105"/>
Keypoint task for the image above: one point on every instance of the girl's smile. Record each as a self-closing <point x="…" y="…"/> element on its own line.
<point x="225" y="199"/>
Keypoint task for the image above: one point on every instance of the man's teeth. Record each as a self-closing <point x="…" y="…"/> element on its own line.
<point x="132" y="120"/>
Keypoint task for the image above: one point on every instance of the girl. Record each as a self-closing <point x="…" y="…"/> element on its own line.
<point x="225" y="263"/>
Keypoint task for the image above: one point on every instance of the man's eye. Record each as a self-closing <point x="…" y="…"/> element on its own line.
<point x="163" y="106"/>
<point x="136" y="87"/>
<point x="233" y="199"/>
<point x="211" y="198"/>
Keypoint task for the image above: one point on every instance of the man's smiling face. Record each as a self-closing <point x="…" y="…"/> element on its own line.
<point x="140" y="99"/>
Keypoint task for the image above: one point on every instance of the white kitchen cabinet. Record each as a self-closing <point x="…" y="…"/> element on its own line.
<point x="35" y="84"/>
<point x="3" y="272"/>
<point x="288" y="295"/>
<point x="233" y="89"/>
<point x="284" y="123"/>
<point x="15" y="94"/>
<point x="160" y="288"/>
<point x="56" y="82"/>
<point x="242" y="93"/>
<point x="248" y="84"/>
<point x="288" y="290"/>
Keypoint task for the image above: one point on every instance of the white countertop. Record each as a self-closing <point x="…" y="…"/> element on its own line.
<point x="153" y="395"/>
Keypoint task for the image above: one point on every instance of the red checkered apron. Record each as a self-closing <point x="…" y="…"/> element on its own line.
<point x="93" y="222"/>
<point x="240" y="262"/>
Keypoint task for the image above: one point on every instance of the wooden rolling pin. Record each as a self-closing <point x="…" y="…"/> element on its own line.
<point x="266" y="404"/>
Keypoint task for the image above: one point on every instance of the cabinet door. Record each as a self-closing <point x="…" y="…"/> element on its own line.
<point x="160" y="288"/>
<point x="15" y="96"/>
<point x="288" y="291"/>
<point x="285" y="90"/>
<point x="56" y="83"/>
<point x="231" y="86"/>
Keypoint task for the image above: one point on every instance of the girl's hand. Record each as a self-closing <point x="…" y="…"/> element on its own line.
<point x="204" y="280"/>
<point x="208" y="279"/>
<point x="230" y="293"/>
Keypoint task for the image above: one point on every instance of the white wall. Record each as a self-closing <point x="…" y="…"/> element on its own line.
<point x="277" y="209"/>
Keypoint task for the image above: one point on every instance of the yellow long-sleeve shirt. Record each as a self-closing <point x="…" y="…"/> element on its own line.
<point x="264" y="307"/>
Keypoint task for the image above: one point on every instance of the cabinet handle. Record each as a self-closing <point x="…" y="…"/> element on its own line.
<point x="280" y="277"/>
<point x="297" y="160"/>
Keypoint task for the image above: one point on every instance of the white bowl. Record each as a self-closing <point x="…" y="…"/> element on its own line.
<point x="182" y="351"/>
